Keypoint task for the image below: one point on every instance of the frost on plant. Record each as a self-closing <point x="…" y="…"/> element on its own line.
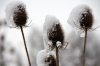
<point x="16" y="14"/>
<point x="53" y="31"/>
<point x="81" y="18"/>
<point x="45" y="58"/>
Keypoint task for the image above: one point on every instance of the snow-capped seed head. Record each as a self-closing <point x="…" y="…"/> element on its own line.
<point x="51" y="61"/>
<point x="20" y="16"/>
<point x="86" y="21"/>
<point x="81" y="17"/>
<point x="44" y="60"/>
<point x="53" y="30"/>
<point x="16" y="14"/>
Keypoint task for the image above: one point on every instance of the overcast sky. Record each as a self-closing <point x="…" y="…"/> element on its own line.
<point x="38" y="9"/>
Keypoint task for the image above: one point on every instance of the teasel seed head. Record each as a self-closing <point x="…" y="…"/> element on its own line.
<point x="20" y="16"/>
<point x="86" y="20"/>
<point x="53" y="33"/>
<point x="50" y="60"/>
<point x="46" y="58"/>
<point x="56" y="35"/>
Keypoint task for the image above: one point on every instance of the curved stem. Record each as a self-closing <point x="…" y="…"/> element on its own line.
<point x="25" y="46"/>
<point x="57" y="56"/>
<point x="84" y="50"/>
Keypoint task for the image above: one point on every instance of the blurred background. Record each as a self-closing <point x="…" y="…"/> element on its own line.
<point x="12" y="52"/>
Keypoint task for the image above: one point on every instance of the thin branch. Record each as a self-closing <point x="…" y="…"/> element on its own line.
<point x="28" y="24"/>
<point x="57" y="56"/>
<point x="94" y="28"/>
<point x="25" y="46"/>
<point x="76" y="25"/>
<point x="66" y="45"/>
<point x="84" y="50"/>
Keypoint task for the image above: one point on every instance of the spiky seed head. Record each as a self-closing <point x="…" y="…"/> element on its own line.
<point x="50" y="60"/>
<point x="20" y="16"/>
<point x="46" y="58"/>
<point x="56" y="34"/>
<point x="86" y="20"/>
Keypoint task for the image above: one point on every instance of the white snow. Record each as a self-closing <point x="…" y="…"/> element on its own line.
<point x="50" y="21"/>
<point x="75" y="17"/>
<point x="50" y="43"/>
<point x="42" y="56"/>
<point x="10" y="8"/>
<point x="82" y="35"/>
<point x="58" y="44"/>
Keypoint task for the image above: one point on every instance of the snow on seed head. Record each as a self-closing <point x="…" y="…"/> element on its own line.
<point x="53" y="30"/>
<point x="81" y="18"/>
<point x="20" y="16"/>
<point x="51" y="61"/>
<point x="44" y="60"/>
<point x="16" y="14"/>
<point x="86" y="20"/>
<point x="56" y="34"/>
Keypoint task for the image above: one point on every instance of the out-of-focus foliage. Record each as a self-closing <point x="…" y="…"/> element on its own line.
<point x="73" y="56"/>
<point x="2" y="39"/>
<point x="35" y="44"/>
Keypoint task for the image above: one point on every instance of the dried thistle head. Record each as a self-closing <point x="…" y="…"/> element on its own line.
<point x="16" y="14"/>
<point x="53" y="32"/>
<point x="86" y="20"/>
<point x="81" y="18"/>
<point x="51" y="61"/>
<point x="20" y="16"/>
<point x="56" y="34"/>
<point x="45" y="58"/>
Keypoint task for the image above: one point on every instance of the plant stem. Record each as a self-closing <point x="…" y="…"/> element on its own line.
<point x="57" y="56"/>
<point x="84" y="50"/>
<point x="25" y="46"/>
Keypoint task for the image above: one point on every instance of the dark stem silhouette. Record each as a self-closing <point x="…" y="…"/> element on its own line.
<point x="25" y="46"/>
<point x="84" y="50"/>
<point x="57" y="56"/>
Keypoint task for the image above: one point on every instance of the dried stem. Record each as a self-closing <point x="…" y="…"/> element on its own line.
<point x="57" y="56"/>
<point x="25" y="46"/>
<point x="84" y="50"/>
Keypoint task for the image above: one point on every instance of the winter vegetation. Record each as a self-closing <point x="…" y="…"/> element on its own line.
<point x="46" y="58"/>
<point x="83" y="20"/>
<point x="17" y="15"/>
<point x="14" y="8"/>
<point x="52" y="46"/>
<point x="53" y="35"/>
